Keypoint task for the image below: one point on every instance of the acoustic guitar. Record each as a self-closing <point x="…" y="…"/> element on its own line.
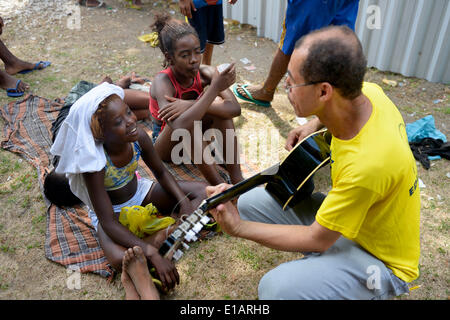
<point x="288" y="182"/>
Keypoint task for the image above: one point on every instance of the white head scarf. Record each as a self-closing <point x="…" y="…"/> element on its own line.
<point x="75" y="144"/>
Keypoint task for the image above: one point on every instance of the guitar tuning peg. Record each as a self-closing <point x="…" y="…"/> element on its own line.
<point x="177" y="255"/>
<point x="198" y="226"/>
<point x="190" y="236"/>
<point x="204" y="220"/>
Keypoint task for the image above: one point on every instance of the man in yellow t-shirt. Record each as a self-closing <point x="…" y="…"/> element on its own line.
<point x="362" y="240"/>
<point x="373" y="201"/>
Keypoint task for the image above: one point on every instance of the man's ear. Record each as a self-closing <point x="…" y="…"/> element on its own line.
<point x="326" y="91"/>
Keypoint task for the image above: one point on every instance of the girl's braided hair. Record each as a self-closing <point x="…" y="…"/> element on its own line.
<point x="169" y="31"/>
<point x="98" y="118"/>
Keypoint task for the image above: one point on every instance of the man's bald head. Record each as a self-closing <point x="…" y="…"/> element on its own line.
<point x="333" y="54"/>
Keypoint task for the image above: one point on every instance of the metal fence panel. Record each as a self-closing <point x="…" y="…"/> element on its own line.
<point x="411" y="38"/>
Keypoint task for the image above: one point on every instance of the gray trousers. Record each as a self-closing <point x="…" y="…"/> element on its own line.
<point x="344" y="271"/>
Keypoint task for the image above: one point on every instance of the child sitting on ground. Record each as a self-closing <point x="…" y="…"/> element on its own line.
<point x="56" y="185"/>
<point x="178" y="100"/>
<point x="99" y="144"/>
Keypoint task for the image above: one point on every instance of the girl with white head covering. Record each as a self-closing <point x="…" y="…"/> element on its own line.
<point x="99" y="145"/>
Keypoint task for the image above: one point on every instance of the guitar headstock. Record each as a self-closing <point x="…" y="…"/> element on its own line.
<point x="186" y="232"/>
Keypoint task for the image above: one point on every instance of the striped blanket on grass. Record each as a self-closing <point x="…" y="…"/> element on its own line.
<point x="70" y="238"/>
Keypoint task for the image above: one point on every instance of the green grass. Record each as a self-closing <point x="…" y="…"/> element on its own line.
<point x="34" y="245"/>
<point x="248" y="256"/>
<point x="6" y="165"/>
<point x="444" y="226"/>
<point x="3" y="285"/>
<point x="38" y="219"/>
<point x="7" y="249"/>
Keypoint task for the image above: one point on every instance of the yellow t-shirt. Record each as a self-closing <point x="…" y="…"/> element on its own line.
<point x="375" y="198"/>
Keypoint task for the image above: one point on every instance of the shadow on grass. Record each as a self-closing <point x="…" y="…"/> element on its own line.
<point x="282" y="125"/>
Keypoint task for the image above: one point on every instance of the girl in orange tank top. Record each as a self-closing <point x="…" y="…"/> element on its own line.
<point x="195" y="89"/>
<point x="180" y="103"/>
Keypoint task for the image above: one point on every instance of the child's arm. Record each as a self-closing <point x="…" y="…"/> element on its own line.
<point x="163" y="92"/>
<point x="120" y="234"/>
<point x="185" y="8"/>
<point x="164" y="177"/>
<point x="174" y="108"/>
<point x="161" y="88"/>
<point x="219" y="82"/>
<point x="225" y="106"/>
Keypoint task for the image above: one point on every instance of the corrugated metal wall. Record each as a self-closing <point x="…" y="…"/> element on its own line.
<point x="410" y="37"/>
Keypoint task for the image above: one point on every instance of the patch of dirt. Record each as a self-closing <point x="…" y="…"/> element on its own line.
<point x="223" y="267"/>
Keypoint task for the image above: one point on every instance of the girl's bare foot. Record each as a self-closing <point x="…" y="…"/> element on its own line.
<point x="130" y="290"/>
<point x="107" y="79"/>
<point x="134" y="263"/>
<point x="124" y="82"/>
<point x="136" y="79"/>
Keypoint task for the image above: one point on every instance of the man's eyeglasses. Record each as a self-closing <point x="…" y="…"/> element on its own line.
<point x="288" y="88"/>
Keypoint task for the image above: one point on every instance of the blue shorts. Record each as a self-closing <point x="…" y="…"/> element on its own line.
<point x="208" y="22"/>
<point x="304" y="16"/>
<point x="156" y="131"/>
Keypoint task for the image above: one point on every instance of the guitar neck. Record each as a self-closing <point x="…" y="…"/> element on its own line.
<point x="188" y="230"/>
<point x="237" y="189"/>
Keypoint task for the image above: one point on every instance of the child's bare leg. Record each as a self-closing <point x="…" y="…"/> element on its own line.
<point x="207" y="166"/>
<point x="229" y="148"/>
<point x="7" y="82"/>
<point x="113" y="252"/>
<point x="167" y="205"/>
<point x="208" y="169"/>
<point x="231" y="144"/>
<point x="135" y="265"/>
<point x="164" y="146"/>
<point x="138" y="101"/>
<point x="13" y="64"/>
<point x="207" y="54"/>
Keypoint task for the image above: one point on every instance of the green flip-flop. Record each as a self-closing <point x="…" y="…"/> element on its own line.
<point x="249" y="97"/>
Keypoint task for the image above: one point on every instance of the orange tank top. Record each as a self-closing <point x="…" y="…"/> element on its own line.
<point x="195" y="88"/>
